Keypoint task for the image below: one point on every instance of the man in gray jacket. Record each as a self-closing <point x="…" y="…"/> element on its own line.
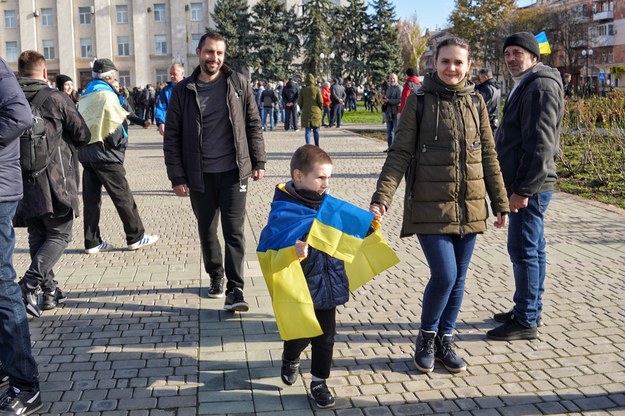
<point x="213" y="144"/>
<point x="390" y="100"/>
<point x="18" y="368"/>
<point x="527" y="143"/>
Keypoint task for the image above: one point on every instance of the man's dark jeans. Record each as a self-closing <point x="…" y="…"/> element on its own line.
<point x="113" y="177"/>
<point x="225" y="194"/>
<point x="47" y="240"/>
<point x="527" y="250"/>
<point x="336" y="116"/>
<point x="15" y="353"/>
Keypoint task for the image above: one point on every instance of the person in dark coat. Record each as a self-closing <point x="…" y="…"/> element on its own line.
<point x="50" y="201"/>
<point x="290" y="93"/>
<point x="17" y="365"/>
<point x="338" y="97"/>
<point x="490" y="91"/>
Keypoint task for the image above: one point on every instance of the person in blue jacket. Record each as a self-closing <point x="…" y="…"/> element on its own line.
<point x="18" y="368"/>
<point x="176" y="74"/>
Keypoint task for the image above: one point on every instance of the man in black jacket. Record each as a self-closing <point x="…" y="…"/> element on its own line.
<point x="489" y="89"/>
<point x="213" y="144"/>
<point x="527" y="143"/>
<point x="50" y="200"/>
<point x="103" y="161"/>
<point x="18" y="368"/>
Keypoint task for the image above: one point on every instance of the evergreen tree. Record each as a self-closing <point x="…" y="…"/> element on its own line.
<point x="232" y="21"/>
<point x="351" y="38"/>
<point x="383" y="42"/>
<point x="274" y="40"/>
<point x="316" y="32"/>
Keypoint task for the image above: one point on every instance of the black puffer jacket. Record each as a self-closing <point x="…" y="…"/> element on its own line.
<point x="15" y="118"/>
<point x="182" y="143"/>
<point x="325" y="275"/>
<point x="528" y="138"/>
<point x="55" y="191"/>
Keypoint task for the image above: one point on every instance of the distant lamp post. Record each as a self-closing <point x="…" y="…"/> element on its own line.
<point x="587" y="54"/>
<point x="322" y="56"/>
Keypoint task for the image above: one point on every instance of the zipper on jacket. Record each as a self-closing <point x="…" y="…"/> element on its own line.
<point x="63" y="172"/>
<point x="326" y="277"/>
<point x="462" y="159"/>
<point x="234" y="134"/>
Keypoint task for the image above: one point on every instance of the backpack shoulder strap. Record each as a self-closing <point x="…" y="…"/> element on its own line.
<point x="40" y="97"/>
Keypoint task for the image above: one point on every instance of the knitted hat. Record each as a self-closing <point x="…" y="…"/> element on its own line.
<point x="61" y="80"/>
<point x="525" y="40"/>
<point x="103" y="65"/>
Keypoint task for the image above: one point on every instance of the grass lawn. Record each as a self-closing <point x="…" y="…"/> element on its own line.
<point x="361" y="116"/>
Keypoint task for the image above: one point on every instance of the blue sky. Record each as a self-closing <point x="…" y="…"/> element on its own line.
<point x="431" y="14"/>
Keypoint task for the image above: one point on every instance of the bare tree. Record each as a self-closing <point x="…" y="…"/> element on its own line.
<point x="413" y="44"/>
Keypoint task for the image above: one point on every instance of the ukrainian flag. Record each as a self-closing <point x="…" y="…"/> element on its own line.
<point x="545" y="49"/>
<point x="339" y="229"/>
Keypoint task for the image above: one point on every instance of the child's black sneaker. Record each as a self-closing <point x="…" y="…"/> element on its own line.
<point x="52" y="299"/>
<point x="14" y="402"/>
<point x="235" y="301"/>
<point x="31" y="298"/>
<point x="289" y="370"/>
<point x="321" y="395"/>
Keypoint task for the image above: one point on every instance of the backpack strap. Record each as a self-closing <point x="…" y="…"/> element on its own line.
<point x="40" y="97"/>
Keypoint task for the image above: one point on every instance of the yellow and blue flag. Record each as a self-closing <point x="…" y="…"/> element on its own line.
<point x="543" y="43"/>
<point x="341" y="230"/>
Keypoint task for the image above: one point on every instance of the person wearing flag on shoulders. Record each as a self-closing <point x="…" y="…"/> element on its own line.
<point x="449" y="161"/>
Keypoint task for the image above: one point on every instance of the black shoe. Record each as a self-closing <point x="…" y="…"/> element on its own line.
<point x="446" y="355"/>
<point x="216" y="289"/>
<point x="321" y="395"/>
<point x="52" y="299"/>
<point x="512" y="330"/>
<point x="31" y="299"/>
<point x="424" y="351"/>
<point x="4" y="377"/>
<point x="19" y="403"/>
<point x="235" y="301"/>
<point x="504" y="317"/>
<point x="289" y="370"/>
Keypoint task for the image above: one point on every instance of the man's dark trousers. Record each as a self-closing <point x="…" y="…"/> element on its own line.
<point x="47" y="239"/>
<point x="225" y="194"/>
<point x="113" y="177"/>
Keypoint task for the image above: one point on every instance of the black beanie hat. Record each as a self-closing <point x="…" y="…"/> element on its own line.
<point x="103" y="65"/>
<point x="61" y="80"/>
<point x="525" y="40"/>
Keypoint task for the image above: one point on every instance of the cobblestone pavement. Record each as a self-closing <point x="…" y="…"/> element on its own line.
<point x="139" y="337"/>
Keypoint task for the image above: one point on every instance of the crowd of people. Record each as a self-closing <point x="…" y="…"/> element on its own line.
<point x="444" y="138"/>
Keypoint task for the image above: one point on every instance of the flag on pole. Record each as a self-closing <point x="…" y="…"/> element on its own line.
<point x="543" y="43"/>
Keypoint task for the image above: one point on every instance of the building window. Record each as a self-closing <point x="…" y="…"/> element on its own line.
<point x="10" y="19"/>
<point x="195" y="39"/>
<point x="160" y="44"/>
<point x="122" y="13"/>
<point x="124" y="78"/>
<point x="159" y="12"/>
<point x="197" y="12"/>
<point x="161" y="76"/>
<point x="48" y="49"/>
<point x="47" y="17"/>
<point x="11" y="51"/>
<point x="123" y="46"/>
<point x="86" y="48"/>
<point x="85" y="15"/>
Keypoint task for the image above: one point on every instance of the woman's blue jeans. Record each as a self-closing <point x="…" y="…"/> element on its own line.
<point x="315" y="135"/>
<point x="448" y="256"/>
<point x="15" y="352"/>
<point x="527" y="250"/>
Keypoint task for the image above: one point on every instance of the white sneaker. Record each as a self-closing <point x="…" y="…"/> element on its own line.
<point x="103" y="246"/>
<point x="146" y="240"/>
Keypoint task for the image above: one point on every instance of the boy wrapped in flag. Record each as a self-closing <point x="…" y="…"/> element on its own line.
<point x="313" y="251"/>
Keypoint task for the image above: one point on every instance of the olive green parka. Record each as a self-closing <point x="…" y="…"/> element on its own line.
<point x="456" y="164"/>
<point x="311" y="103"/>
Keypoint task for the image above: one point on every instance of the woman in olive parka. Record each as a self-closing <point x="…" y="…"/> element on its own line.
<point x="455" y="166"/>
<point x="311" y="103"/>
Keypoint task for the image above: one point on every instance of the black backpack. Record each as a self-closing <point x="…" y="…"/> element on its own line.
<point x="35" y="153"/>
